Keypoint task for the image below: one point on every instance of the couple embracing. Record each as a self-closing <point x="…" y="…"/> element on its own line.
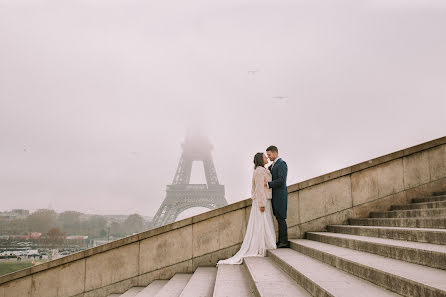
<point x="269" y="196"/>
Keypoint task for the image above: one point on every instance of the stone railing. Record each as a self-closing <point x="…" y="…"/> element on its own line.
<point x="203" y="239"/>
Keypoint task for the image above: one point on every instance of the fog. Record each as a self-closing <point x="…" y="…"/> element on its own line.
<point x="96" y="96"/>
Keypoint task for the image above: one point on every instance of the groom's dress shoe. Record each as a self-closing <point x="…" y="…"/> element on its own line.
<point x="283" y="245"/>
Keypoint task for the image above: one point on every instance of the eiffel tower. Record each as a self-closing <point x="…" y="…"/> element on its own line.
<point x="182" y="195"/>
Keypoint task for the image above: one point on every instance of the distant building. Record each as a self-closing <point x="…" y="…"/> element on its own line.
<point x="14" y="214"/>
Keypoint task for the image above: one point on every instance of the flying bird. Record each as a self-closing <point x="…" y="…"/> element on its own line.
<point x="280" y="97"/>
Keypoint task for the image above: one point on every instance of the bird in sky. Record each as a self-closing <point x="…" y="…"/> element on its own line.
<point x="280" y="97"/>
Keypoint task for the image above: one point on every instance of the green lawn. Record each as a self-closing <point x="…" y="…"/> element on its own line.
<point x="8" y="267"/>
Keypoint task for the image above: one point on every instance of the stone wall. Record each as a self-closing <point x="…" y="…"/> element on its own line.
<point x="203" y="239"/>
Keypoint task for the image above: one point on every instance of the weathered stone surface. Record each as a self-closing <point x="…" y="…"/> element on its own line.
<point x="112" y="266"/>
<point x="390" y="178"/>
<point x="437" y="162"/>
<point x="147" y="278"/>
<point x="432" y="255"/>
<point x="232" y="280"/>
<point x="416" y="169"/>
<point x="165" y="249"/>
<point x="294" y="232"/>
<point x="311" y="201"/>
<point x="152" y="289"/>
<point x="71" y="278"/>
<point x="430" y="199"/>
<point x="118" y="287"/>
<point x="338" y="195"/>
<point x="424" y="205"/>
<point x="377" y="182"/>
<point x="436" y="236"/>
<point x="426" y="190"/>
<point x="293" y="206"/>
<point x="398" y="276"/>
<point x="320" y="224"/>
<point x="232" y="228"/>
<point x="175" y="285"/>
<point x="270" y="280"/>
<point x="183" y="267"/>
<point x="19" y="288"/>
<point x="413" y="213"/>
<point x="382" y="204"/>
<point x="321" y="279"/>
<point x="365" y="185"/>
<point x="401" y="222"/>
<point x="45" y="283"/>
<point x="211" y="259"/>
<point x="201" y="283"/>
<point x="323" y="199"/>
<point x="204" y="239"/>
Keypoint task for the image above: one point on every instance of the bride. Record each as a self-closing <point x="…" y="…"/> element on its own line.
<point x="260" y="235"/>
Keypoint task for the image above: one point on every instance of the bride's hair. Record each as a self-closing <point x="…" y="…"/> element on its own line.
<point x="258" y="160"/>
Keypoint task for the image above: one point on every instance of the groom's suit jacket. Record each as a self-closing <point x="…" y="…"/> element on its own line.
<point x="280" y="193"/>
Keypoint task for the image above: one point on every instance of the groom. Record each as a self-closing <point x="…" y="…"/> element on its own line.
<point x="279" y="171"/>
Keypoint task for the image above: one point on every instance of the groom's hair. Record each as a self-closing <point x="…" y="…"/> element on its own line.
<point x="272" y="148"/>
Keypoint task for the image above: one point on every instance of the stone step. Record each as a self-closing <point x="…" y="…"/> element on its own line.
<point x="175" y="285"/>
<point x="132" y="292"/>
<point x="429" y="199"/>
<point x="425" y="205"/>
<point x="152" y="289"/>
<point x="428" y="254"/>
<point x="233" y="280"/>
<point x="401" y="277"/>
<point x="321" y="279"/>
<point x="201" y="284"/>
<point x="271" y="281"/>
<point x="413" y="213"/>
<point x="438" y="223"/>
<point x="436" y="236"/>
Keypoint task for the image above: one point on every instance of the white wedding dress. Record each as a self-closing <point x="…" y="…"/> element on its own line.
<point x="260" y="235"/>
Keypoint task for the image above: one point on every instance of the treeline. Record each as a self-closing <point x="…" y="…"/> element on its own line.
<point x="70" y="223"/>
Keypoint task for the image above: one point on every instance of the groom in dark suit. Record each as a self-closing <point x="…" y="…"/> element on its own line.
<point x="279" y="171"/>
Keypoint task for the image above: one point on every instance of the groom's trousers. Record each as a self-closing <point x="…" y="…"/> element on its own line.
<point x="283" y="229"/>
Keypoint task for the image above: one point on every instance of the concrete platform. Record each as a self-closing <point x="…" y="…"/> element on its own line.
<point x="271" y="281"/>
<point x="401" y="277"/>
<point x="432" y="255"/>
<point x="152" y="289"/>
<point x="321" y="279"/>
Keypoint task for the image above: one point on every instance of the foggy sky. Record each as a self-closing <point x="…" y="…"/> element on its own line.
<point x="96" y="96"/>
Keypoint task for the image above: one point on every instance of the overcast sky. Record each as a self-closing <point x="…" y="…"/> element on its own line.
<point x="96" y="96"/>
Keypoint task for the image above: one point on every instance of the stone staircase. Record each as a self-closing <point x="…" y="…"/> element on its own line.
<point x="401" y="252"/>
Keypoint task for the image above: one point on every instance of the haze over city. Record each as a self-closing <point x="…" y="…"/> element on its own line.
<point x="97" y="96"/>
